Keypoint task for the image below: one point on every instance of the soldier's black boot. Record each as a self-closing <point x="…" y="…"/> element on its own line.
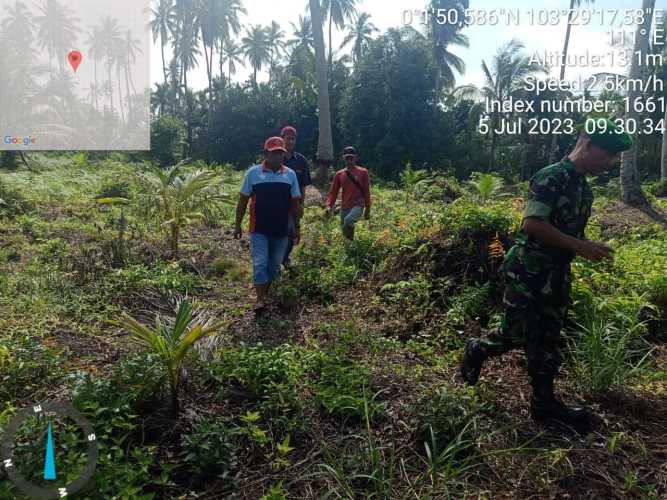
<point x="545" y="406"/>
<point x="473" y="358"/>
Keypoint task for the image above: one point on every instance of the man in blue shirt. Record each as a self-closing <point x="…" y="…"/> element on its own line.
<point x="298" y="163"/>
<point x="273" y="192"/>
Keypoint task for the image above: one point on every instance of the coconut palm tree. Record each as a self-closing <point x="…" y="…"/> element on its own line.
<point x="160" y="98"/>
<point x="503" y="80"/>
<point x="186" y="42"/>
<point x="339" y="12"/>
<point x="443" y="36"/>
<point x="162" y="25"/>
<point x="95" y="43"/>
<point x="255" y="47"/>
<point x="230" y="24"/>
<point x="111" y="39"/>
<point x="56" y="31"/>
<point x="302" y="34"/>
<point x="325" y="141"/>
<point x="631" y="191"/>
<point x="276" y="39"/>
<point x="360" y="35"/>
<point x="18" y="28"/>
<point x="566" y="45"/>
<point x="231" y="55"/>
<point x="132" y="48"/>
<point x="209" y="15"/>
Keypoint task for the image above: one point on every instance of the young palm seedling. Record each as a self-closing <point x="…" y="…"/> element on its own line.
<point x="172" y="339"/>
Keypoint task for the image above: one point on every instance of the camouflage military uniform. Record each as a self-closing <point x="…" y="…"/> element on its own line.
<point x="537" y="277"/>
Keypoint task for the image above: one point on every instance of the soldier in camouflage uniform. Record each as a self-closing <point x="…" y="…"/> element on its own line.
<point x="537" y="269"/>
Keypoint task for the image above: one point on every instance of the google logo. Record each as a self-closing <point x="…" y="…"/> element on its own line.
<point x="26" y="141"/>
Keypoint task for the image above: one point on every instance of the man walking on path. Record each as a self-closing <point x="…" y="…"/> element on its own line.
<point x="355" y="184"/>
<point x="273" y="192"/>
<point x="298" y="163"/>
<point x="537" y="269"/>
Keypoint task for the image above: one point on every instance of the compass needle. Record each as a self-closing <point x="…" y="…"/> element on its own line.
<point x="49" y="460"/>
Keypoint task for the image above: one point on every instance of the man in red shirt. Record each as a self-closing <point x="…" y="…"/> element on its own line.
<point x="356" y="186"/>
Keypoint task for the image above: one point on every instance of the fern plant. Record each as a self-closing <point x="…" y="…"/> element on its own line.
<point x="172" y="339"/>
<point x="485" y="187"/>
<point x="180" y="199"/>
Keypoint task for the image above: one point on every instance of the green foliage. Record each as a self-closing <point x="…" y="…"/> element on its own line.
<point x="607" y="348"/>
<point x="270" y="378"/>
<point x="26" y="367"/>
<point x="410" y="178"/>
<point x="12" y="201"/>
<point x="469" y="303"/>
<point x="448" y="415"/>
<point x="412" y="298"/>
<point x="166" y="277"/>
<point x="167" y="139"/>
<point x="438" y="188"/>
<point x="209" y="450"/>
<point x="485" y="187"/>
<point x="342" y="387"/>
<point x="464" y="218"/>
<point x="173" y="338"/>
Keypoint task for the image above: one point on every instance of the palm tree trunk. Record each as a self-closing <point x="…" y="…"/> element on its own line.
<point x="631" y="192"/>
<point x="325" y="141"/>
<point x="164" y="66"/>
<point x="120" y="95"/>
<point x="110" y="84"/>
<point x="330" y="41"/>
<point x="566" y="45"/>
<point x="663" y="159"/>
<point x="97" y="89"/>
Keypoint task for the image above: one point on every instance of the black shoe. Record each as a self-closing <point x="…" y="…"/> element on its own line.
<point x="473" y="359"/>
<point x="545" y="406"/>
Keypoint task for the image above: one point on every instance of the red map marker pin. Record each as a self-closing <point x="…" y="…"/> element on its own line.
<point x="75" y="57"/>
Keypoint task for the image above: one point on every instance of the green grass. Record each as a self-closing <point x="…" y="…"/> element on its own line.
<point x="348" y="387"/>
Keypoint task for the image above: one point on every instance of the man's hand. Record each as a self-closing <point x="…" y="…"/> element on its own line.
<point x="593" y="251"/>
<point x="297" y="235"/>
<point x="238" y="232"/>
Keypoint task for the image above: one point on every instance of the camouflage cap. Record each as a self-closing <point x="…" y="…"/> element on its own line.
<point x="605" y="134"/>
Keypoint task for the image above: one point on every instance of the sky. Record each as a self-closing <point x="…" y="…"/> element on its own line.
<point x="484" y="38"/>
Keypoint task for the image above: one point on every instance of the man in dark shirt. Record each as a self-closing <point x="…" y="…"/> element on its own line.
<point x="298" y="163"/>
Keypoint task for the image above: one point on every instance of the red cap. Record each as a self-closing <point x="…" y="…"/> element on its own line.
<point x="289" y="129"/>
<point x="275" y="144"/>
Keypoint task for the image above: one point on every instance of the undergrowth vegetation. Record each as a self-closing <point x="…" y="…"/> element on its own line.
<point x="348" y="387"/>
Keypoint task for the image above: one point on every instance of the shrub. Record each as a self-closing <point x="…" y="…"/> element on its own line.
<point x="268" y="375"/>
<point x="447" y="415"/>
<point x="209" y="450"/>
<point x="12" y="202"/>
<point x="342" y="389"/>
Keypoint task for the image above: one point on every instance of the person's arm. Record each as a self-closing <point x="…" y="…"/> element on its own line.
<point x="544" y="232"/>
<point x="367" y="195"/>
<point x="295" y="206"/>
<point x="241" y="207"/>
<point x="545" y="191"/>
<point x="333" y="192"/>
